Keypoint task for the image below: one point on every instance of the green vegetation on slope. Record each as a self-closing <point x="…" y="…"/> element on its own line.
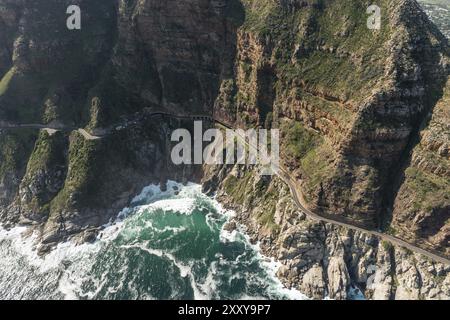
<point x="15" y="147"/>
<point x="4" y="83"/>
<point x="430" y="190"/>
<point x="326" y="44"/>
<point x="299" y="141"/>
<point x="47" y="160"/>
<point x="251" y="192"/>
<point x="82" y="173"/>
<point x="47" y="152"/>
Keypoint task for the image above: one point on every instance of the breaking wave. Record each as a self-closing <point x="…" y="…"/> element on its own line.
<point x="166" y="245"/>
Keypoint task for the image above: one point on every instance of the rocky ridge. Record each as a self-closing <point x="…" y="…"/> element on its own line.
<point x="362" y="115"/>
<point x="350" y="102"/>
<point x="319" y="259"/>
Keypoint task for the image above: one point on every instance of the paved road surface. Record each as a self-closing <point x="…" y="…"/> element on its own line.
<point x="281" y="173"/>
<point x="301" y="204"/>
<point x="51" y="129"/>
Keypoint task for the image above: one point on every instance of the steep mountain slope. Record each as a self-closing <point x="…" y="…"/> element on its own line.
<point x="422" y="205"/>
<point x="349" y="100"/>
<point x="128" y="57"/>
<point x="363" y="113"/>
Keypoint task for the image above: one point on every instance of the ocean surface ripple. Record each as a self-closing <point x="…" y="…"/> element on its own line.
<point x="166" y="245"/>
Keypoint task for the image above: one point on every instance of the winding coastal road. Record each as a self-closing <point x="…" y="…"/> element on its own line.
<point x="301" y="204"/>
<point x="279" y="171"/>
<point x="298" y="199"/>
<point x="50" y="129"/>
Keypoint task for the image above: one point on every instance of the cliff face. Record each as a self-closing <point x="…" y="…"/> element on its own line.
<point x="320" y="259"/>
<point x="363" y="115"/>
<point x="422" y="205"/>
<point x="130" y="58"/>
<point x="351" y="104"/>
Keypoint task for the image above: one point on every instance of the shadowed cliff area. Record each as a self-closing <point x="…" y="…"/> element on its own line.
<point x="129" y="58"/>
<point x="352" y="104"/>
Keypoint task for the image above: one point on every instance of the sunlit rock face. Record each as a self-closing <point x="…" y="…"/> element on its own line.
<point x="124" y="59"/>
<point x="362" y="113"/>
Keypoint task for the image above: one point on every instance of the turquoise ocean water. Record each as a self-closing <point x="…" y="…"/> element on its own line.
<point x="167" y="245"/>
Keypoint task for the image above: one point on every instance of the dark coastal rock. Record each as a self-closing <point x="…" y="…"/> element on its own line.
<point x="363" y="116"/>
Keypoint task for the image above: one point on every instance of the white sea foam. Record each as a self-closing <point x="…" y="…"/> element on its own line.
<point x="210" y="284"/>
<point x="270" y="264"/>
<point x="70" y="265"/>
<point x="27" y="273"/>
<point x="185" y="270"/>
<point x="227" y="236"/>
<point x="181" y="206"/>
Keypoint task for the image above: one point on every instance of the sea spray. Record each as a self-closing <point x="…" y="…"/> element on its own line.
<point x="167" y="245"/>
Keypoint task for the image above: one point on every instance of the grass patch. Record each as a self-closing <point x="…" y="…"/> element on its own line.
<point x="316" y="168"/>
<point x="299" y="140"/>
<point x="238" y="188"/>
<point x="46" y="152"/>
<point x="387" y="245"/>
<point x="263" y="196"/>
<point x="6" y="80"/>
<point x="392" y="231"/>
<point x="16" y="147"/>
<point x="430" y="191"/>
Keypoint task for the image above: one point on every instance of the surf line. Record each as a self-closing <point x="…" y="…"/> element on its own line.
<point x="199" y="311"/>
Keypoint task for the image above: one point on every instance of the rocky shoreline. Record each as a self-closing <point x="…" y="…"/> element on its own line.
<point x="363" y="116"/>
<point x="321" y="260"/>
